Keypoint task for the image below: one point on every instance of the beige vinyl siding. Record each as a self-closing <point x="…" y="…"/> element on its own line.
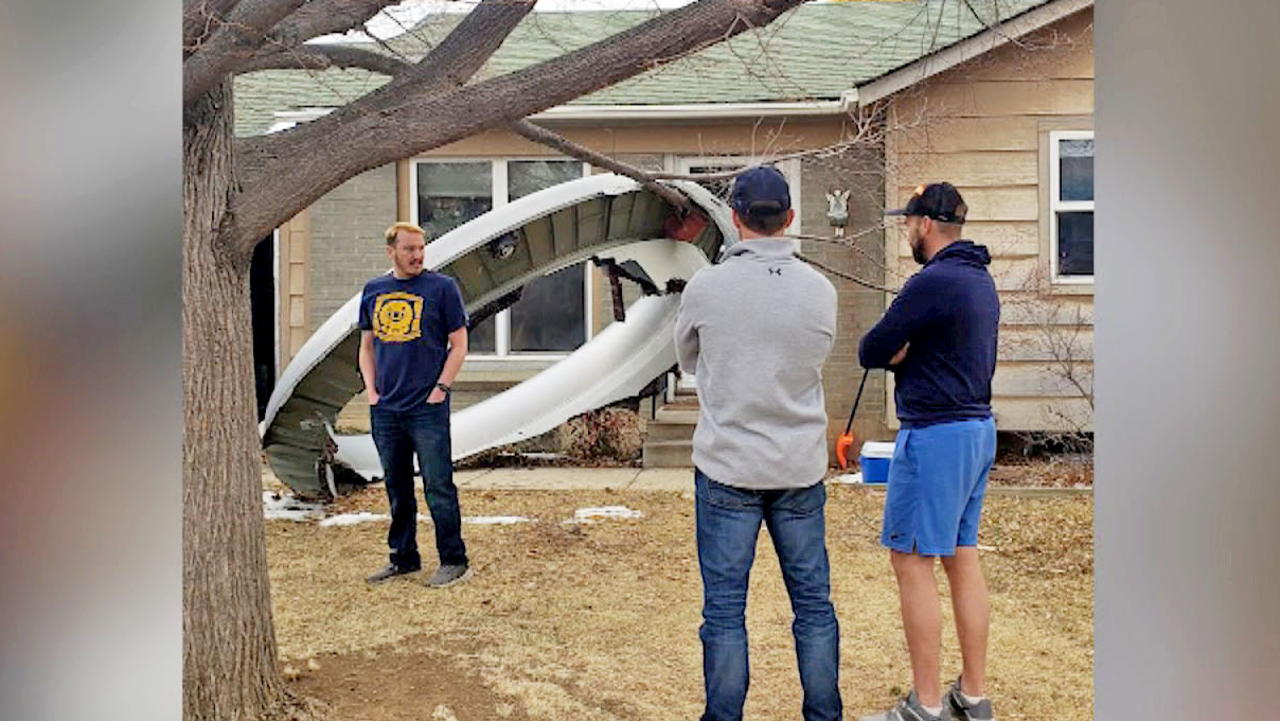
<point x="983" y="126"/>
<point x="295" y="254"/>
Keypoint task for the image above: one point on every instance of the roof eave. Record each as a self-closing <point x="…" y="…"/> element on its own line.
<point x="969" y="48"/>
<point x="700" y="111"/>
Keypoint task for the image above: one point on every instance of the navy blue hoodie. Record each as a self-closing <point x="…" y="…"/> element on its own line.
<point x="950" y="313"/>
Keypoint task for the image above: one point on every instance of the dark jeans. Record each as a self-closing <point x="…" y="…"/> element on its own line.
<point x="728" y="523"/>
<point x="422" y="430"/>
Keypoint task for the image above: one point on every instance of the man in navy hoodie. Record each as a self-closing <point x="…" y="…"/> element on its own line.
<point x="938" y="337"/>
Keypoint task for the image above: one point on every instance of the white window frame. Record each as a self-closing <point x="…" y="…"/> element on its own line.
<point x="790" y="169"/>
<point x="1056" y="205"/>
<point x="498" y="188"/>
<point x="275" y="280"/>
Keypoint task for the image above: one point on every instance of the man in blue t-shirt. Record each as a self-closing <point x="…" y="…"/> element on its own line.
<point x="939" y="339"/>
<point x="413" y="339"/>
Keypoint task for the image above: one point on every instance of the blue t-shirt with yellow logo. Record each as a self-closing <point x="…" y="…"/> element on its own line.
<point x="411" y="319"/>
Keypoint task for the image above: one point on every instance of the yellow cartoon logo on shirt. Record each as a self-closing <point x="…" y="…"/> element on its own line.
<point x="397" y="317"/>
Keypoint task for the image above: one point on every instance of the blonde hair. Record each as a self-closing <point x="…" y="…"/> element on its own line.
<point x="395" y="228"/>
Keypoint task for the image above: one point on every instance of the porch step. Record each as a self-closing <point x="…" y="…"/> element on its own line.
<point x="668" y="431"/>
<point x="685" y="416"/>
<point x="683" y="403"/>
<point x="669" y="440"/>
<point x="668" y="454"/>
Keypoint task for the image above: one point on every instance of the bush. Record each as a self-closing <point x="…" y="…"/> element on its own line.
<point x="607" y="435"/>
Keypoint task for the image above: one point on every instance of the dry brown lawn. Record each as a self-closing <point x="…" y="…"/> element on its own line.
<point x="600" y="621"/>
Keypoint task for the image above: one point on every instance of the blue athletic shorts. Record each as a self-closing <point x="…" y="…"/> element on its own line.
<point x="937" y="480"/>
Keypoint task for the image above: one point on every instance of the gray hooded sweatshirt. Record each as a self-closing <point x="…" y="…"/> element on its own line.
<point x="755" y="329"/>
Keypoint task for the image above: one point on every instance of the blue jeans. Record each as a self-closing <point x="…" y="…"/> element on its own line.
<point x="421" y="430"/>
<point x="728" y="523"/>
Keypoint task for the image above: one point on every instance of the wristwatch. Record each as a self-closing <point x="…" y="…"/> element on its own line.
<point x="447" y="390"/>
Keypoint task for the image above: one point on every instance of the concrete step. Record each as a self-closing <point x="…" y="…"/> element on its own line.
<point x="667" y="454"/>
<point x="667" y="414"/>
<point x="490" y="386"/>
<point x="659" y="431"/>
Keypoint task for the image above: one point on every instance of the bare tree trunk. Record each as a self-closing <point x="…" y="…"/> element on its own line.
<point x="229" y="648"/>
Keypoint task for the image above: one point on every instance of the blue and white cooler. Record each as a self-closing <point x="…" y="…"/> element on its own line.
<point x="874" y="460"/>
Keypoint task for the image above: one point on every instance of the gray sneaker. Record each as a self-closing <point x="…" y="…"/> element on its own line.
<point x="962" y="711"/>
<point x="448" y="575"/>
<point x="909" y="709"/>
<point x="388" y="572"/>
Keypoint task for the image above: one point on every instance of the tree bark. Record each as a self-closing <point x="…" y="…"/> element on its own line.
<point x="321" y="57"/>
<point x="199" y="19"/>
<point x="229" y="648"/>
<point x="324" y="17"/>
<point x="231" y="44"/>
<point x="461" y="54"/>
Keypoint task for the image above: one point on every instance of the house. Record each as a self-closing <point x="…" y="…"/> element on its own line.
<point x="1000" y="105"/>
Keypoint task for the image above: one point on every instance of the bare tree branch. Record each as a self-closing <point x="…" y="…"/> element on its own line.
<point x="323" y="57"/>
<point x="231" y="44"/>
<point x="199" y="19"/>
<point x="284" y="173"/>
<point x="869" y="130"/>
<point x="542" y="136"/>
<point x="447" y="66"/>
<point x="731" y="174"/>
<point x="465" y="50"/>
<point x="1057" y="326"/>
<point x="933" y="42"/>
<point x="841" y="274"/>
<point x="325" y="17"/>
<point x="392" y="51"/>
<point x="997" y="26"/>
<point x="847" y="242"/>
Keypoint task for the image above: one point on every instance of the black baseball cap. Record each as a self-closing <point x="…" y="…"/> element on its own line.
<point x="760" y="192"/>
<point x="940" y="201"/>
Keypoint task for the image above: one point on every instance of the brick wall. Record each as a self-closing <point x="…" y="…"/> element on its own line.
<point x="347" y="248"/>
<point x="859" y="172"/>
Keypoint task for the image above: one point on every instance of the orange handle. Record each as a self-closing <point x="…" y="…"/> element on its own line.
<point x="843" y="444"/>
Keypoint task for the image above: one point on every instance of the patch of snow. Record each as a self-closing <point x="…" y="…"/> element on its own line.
<point x="538" y="456"/>
<point x="276" y="507"/>
<point x="494" y="520"/>
<point x="351" y="519"/>
<point x="588" y="515"/>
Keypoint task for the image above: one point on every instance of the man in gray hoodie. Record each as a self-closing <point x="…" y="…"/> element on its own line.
<point x="756" y="329"/>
